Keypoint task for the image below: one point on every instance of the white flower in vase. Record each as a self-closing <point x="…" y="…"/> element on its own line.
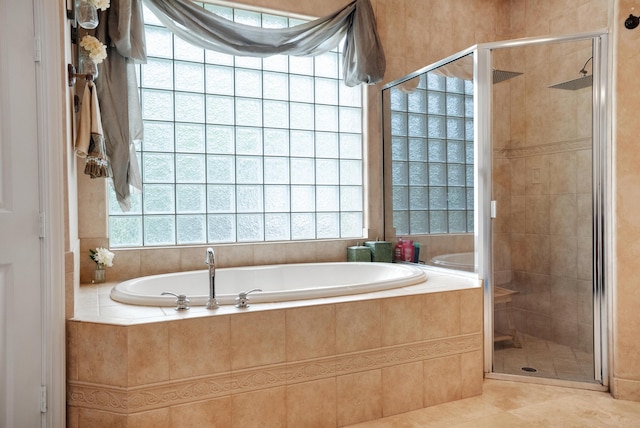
<point x="102" y="257"/>
<point x="99" y="4"/>
<point x="97" y="50"/>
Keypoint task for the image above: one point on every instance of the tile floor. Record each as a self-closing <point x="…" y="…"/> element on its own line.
<point x="516" y="404"/>
<point x="550" y="360"/>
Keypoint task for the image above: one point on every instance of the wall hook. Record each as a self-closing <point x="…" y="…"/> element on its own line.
<point x="71" y="70"/>
<point x="632" y="22"/>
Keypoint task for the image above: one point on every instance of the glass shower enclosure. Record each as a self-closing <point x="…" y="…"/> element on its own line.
<point x="500" y="153"/>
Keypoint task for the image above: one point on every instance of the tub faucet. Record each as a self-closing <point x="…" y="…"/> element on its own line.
<point x="182" y="302"/>
<point x="242" y="301"/>
<point x="212" y="303"/>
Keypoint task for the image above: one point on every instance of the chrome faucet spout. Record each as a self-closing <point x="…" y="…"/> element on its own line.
<point x="212" y="302"/>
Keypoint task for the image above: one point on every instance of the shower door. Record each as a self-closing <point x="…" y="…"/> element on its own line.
<point x="546" y="276"/>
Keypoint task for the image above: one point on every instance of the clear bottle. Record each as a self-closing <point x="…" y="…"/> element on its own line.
<point x="86" y="14"/>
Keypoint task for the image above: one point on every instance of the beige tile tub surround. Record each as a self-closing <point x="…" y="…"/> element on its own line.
<point x="334" y="363"/>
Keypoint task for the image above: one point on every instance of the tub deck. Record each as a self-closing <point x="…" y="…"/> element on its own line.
<point x="93" y="303"/>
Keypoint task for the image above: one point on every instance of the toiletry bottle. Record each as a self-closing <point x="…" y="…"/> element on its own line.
<point x="416" y="252"/>
<point x="407" y="250"/>
<point x="397" y="252"/>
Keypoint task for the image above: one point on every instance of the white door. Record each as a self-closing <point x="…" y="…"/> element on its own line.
<point x="20" y="294"/>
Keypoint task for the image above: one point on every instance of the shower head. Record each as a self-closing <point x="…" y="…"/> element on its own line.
<point x="502" y="75"/>
<point x="581" y="82"/>
<point x="575" y="84"/>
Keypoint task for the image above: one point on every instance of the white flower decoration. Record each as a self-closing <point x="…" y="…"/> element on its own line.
<point x="97" y="50"/>
<point x="99" y="4"/>
<point x="102" y="256"/>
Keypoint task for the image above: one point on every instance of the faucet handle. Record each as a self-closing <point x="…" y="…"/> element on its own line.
<point x="210" y="257"/>
<point x="182" y="302"/>
<point x="242" y="301"/>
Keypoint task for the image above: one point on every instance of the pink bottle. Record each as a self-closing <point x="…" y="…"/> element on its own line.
<point x="398" y="251"/>
<point x="407" y="250"/>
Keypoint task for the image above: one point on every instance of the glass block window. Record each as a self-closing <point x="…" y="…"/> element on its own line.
<point x="432" y="156"/>
<point x="242" y="149"/>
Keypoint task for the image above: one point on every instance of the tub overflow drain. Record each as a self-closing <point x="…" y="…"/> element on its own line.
<point x="529" y="369"/>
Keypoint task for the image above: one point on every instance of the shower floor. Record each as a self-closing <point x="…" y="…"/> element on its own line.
<point x="549" y="359"/>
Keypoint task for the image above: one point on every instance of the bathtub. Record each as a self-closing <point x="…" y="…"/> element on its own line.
<point x="461" y="261"/>
<point x="278" y="283"/>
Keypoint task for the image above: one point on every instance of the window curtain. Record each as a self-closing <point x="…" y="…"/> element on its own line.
<point x="363" y="60"/>
<point x="121" y="29"/>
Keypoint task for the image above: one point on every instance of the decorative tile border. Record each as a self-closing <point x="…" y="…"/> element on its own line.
<point x="96" y="397"/>
<point x="544" y="149"/>
<point x="165" y="394"/>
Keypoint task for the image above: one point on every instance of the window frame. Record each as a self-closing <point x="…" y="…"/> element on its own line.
<point x="345" y="190"/>
<point x="427" y="194"/>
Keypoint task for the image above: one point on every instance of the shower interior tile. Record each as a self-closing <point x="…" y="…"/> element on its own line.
<point x="563" y="173"/>
<point x="550" y="359"/>
<point x="563" y="216"/>
<point x="584" y="171"/>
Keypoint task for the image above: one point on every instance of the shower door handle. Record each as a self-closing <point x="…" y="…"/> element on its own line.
<point x="494" y="209"/>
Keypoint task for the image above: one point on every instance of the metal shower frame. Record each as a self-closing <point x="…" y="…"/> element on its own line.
<point x="602" y="193"/>
<point x="601" y="212"/>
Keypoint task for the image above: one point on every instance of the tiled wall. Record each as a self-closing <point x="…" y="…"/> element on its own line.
<point x="132" y="263"/>
<point x="327" y="365"/>
<point x="546" y="252"/>
<point x="626" y="298"/>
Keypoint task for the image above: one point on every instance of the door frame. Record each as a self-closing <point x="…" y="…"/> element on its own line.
<point x="602" y="207"/>
<point x="44" y="47"/>
<point x="53" y="145"/>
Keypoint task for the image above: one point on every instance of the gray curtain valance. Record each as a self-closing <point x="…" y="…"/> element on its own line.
<point x="363" y="58"/>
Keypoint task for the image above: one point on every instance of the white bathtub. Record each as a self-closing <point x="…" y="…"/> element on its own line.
<point x="462" y="261"/>
<point x="278" y="283"/>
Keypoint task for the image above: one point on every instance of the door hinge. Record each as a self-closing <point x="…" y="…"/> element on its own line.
<point x="37" y="50"/>
<point x="494" y="209"/>
<point x="42" y="225"/>
<point x="43" y="399"/>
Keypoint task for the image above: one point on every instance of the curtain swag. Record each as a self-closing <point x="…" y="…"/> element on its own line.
<point x="122" y="30"/>
<point x="363" y="58"/>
